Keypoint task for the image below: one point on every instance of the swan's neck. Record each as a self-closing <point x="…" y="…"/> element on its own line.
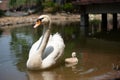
<point x="45" y="38"/>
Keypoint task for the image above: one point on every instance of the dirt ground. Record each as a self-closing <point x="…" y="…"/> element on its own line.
<point x="6" y="21"/>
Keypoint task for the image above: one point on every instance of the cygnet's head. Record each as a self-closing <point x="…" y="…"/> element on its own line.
<point x="43" y="19"/>
<point x="73" y="54"/>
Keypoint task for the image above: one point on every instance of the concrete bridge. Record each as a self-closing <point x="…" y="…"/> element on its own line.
<point x="102" y="7"/>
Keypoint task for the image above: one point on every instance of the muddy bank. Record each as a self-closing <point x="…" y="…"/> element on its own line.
<point x="57" y="18"/>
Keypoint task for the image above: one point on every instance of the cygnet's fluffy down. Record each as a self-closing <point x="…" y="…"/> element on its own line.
<point x="73" y="59"/>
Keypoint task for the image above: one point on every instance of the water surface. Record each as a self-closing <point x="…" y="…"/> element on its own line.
<point x="96" y="56"/>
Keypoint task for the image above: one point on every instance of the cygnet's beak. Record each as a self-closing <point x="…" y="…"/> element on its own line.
<point x="38" y="23"/>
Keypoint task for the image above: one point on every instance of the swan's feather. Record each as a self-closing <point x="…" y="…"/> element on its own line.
<point x="47" y="51"/>
<point x="56" y="45"/>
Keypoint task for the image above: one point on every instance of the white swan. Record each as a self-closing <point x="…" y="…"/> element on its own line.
<point x="73" y="59"/>
<point x="46" y="51"/>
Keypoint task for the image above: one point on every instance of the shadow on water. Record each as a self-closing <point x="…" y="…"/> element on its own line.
<point x="109" y="35"/>
<point x="95" y="55"/>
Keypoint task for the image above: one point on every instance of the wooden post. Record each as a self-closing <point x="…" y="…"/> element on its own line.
<point x="84" y="22"/>
<point x="115" y="22"/>
<point x="104" y="22"/>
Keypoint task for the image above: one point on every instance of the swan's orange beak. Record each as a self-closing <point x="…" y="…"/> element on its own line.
<point x="38" y="22"/>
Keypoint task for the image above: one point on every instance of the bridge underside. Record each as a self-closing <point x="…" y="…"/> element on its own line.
<point x="103" y="9"/>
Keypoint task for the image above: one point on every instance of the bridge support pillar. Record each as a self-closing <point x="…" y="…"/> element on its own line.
<point x="84" y="23"/>
<point x="104" y="22"/>
<point x="115" y="21"/>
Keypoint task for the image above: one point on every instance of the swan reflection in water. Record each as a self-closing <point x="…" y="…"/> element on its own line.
<point x="43" y="75"/>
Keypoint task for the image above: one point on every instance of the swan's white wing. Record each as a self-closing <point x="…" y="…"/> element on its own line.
<point x="53" y="50"/>
<point x="58" y="44"/>
<point x="49" y="49"/>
